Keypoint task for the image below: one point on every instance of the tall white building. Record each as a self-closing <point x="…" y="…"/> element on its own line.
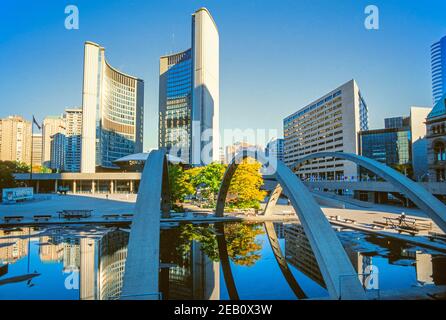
<point x="189" y="95"/>
<point x="330" y="123"/>
<point x="113" y="107"/>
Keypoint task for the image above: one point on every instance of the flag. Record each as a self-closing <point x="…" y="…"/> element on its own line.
<point x="35" y="122"/>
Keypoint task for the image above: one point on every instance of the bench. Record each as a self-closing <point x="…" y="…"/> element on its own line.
<point x="127" y="215"/>
<point x="75" y="214"/>
<point x="110" y="216"/>
<point x="13" y="218"/>
<point x="409" y="223"/>
<point x="411" y="231"/>
<point x="42" y="217"/>
<point x="437" y="236"/>
<point x="350" y="221"/>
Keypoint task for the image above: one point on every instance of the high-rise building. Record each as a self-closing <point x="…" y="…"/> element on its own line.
<point x="274" y="149"/>
<point x="438" y="62"/>
<point x="113" y="107"/>
<point x="73" y="118"/>
<point x="58" y="152"/>
<point x="189" y="95"/>
<point x="436" y="141"/>
<point x="37" y="149"/>
<point x="50" y="126"/>
<point x="331" y="123"/>
<point x="15" y="139"/>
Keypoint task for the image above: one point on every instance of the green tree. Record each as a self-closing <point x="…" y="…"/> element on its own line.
<point x="180" y="185"/>
<point x="244" y="191"/>
<point x="7" y="170"/>
<point x="208" y="180"/>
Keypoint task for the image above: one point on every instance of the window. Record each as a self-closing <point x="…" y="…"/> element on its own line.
<point x="439" y="151"/>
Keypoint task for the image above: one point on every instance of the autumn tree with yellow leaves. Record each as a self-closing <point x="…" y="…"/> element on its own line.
<point x="244" y="191"/>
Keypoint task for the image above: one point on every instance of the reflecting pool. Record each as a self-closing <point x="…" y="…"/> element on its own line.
<point x="221" y="261"/>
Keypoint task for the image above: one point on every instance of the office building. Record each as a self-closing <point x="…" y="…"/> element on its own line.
<point x="436" y="141"/>
<point x="50" y="126"/>
<point x="331" y="124"/>
<point x="112" y="118"/>
<point x="400" y="145"/>
<point x="58" y="152"/>
<point x="274" y="149"/>
<point x="438" y="62"/>
<point x="15" y="139"/>
<point x="189" y="95"/>
<point x="73" y="117"/>
<point x="37" y="144"/>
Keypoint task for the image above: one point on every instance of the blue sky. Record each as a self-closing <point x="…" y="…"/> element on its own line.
<point x="276" y="56"/>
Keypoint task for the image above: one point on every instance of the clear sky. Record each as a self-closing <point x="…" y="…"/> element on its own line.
<point x="276" y="56"/>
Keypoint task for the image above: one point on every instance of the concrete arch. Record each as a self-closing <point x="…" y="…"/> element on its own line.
<point x="225" y="264"/>
<point x="339" y="275"/>
<point x="281" y="261"/>
<point x="141" y="275"/>
<point x="433" y="207"/>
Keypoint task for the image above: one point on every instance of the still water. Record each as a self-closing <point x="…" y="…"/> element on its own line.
<point x="248" y="261"/>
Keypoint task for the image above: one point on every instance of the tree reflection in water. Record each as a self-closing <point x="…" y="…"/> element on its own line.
<point x="241" y="241"/>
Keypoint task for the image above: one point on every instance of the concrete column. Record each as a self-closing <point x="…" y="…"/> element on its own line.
<point x="37" y="186"/>
<point x="131" y="186"/>
<point x="93" y="184"/>
<point x="74" y="186"/>
<point x="112" y="186"/>
<point x="55" y="185"/>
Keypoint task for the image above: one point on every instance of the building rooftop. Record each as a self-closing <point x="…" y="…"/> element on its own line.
<point x="439" y="108"/>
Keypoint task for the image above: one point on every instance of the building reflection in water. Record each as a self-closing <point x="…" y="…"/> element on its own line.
<point x="98" y="257"/>
<point x="299" y="254"/>
<point x="429" y="268"/>
<point x="14" y="244"/>
<point x="195" y="277"/>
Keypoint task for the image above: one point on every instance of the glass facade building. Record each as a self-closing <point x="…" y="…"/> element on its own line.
<point x="113" y="111"/>
<point x="189" y="96"/>
<point x="389" y="146"/>
<point x="274" y="149"/>
<point x="438" y="61"/>
<point x="175" y="122"/>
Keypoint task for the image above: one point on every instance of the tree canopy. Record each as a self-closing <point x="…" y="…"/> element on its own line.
<point x="7" y="170"/>
<point x="244" y="191"/>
